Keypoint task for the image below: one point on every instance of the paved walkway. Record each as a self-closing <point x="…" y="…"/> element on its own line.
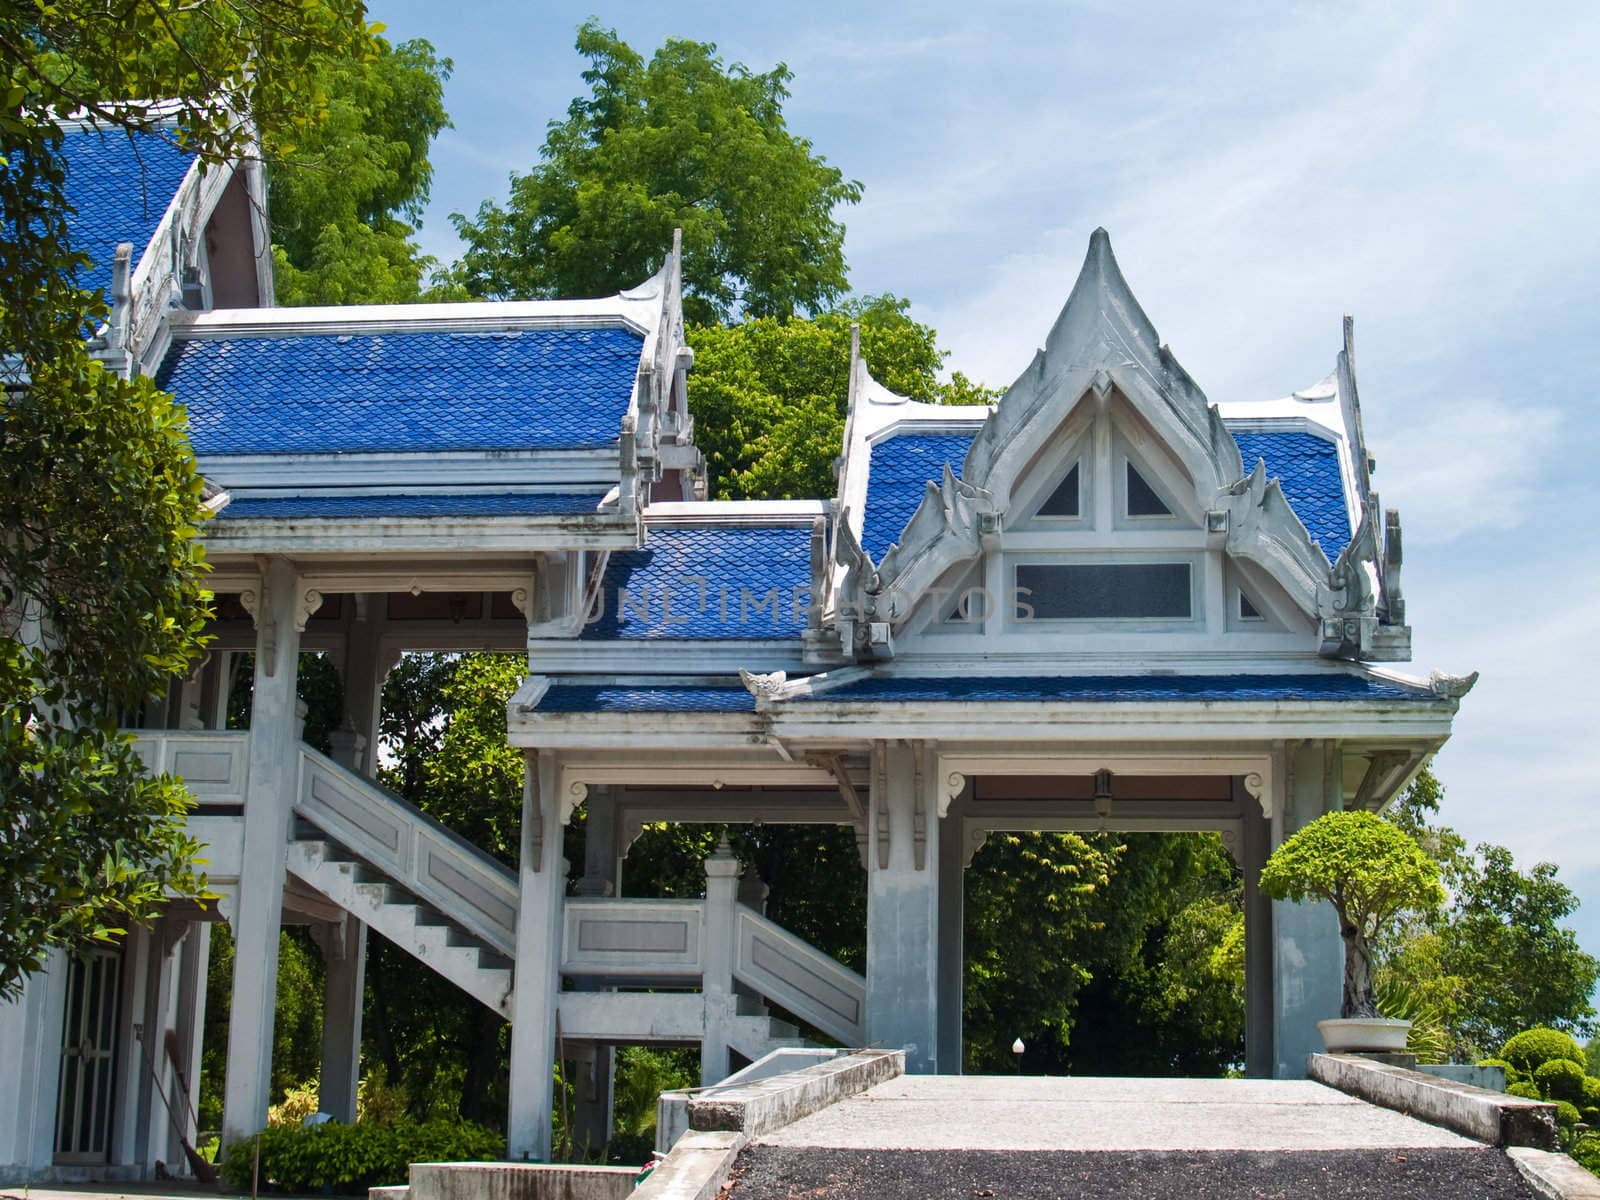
<point x="1099" y="1139"/>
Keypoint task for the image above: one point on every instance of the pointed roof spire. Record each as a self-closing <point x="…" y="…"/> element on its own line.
<point x="1101" y="303"/>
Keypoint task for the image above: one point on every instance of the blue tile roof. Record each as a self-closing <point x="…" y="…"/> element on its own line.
<point x="586" y="698"/>
<point x="1122" y="688"/>
<point x="120" y="187"/>
<point x="900" y="467"/>
<point x="496" y="505"/>
<point x="418" y="391"/>
<point x="1308" y="468"/>
<point x="708" y="583"/>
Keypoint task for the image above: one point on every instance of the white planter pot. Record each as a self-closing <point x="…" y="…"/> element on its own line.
<point x="1364" y="1035"/>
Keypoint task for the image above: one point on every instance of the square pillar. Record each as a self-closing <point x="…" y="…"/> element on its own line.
<point x="344" y="955"/>
<point x="189" y="1029"/>
<point x="1308" y="956"/>
<point x="1255" y="844"/>
<point x="952" y="932"/>
<point x="269" y="797"/>
<point x="903" y="905"/>
<point x="596" y="1061"/>
<point x="542" y="881"/>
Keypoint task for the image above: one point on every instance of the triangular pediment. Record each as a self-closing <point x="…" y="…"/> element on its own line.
<point x="1105" y="436"/>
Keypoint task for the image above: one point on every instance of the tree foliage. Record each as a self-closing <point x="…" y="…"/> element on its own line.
<point x="1499" y="957"/>
<point x="101" y="601"/>
<point x="683" y="141"/>
<point x="769" y="395"/>
<point x="345" y="200"/>
<point x="1370" y="871"/>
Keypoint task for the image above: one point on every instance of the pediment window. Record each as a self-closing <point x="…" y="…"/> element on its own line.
<point x="1067" y="498"/>
<point x="1141" y="499"/>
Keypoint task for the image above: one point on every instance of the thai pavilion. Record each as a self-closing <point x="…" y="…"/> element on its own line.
<point x="1104" y="602"/>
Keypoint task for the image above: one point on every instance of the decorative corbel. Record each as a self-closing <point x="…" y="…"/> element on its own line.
<point x="1102" y="796"/>
<point x="952" y="786"/>
<point x="880" y="805"/>
<point x="575" y="794"/>
<point x="1255" y="786"/>
<point x="1230" y="843"/>
<point x="974" y="842"/>
<point x="1382" y="765"/>
<point x="834" y="765"/>
<point x="257" y="601"/>
<point x="310" y="601"/>
<point x="919" y="810"/>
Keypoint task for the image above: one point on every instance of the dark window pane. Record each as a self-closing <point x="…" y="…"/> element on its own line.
<point x="1142" y="498"/>
<point x="1063" y="502"/>
<point x="1087" y="591"/>
<point x="1248" y="611"/>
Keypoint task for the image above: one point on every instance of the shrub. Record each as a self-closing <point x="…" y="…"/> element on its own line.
<point x="1591" y="1091"/>
<point x="1526" y="1090"/>
<point x="1587" y="1152"/>
<point x="349" y="1159"/>
<point x="1561" y="1079"/>
<point x="1531" y="1049"/>
<point x="1566" y="1114"/>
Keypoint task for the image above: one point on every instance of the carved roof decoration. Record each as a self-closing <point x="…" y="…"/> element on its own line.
<point x="1103" y="347"/>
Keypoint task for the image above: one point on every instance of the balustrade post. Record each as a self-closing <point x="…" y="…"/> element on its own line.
<point x="716" y="954"/>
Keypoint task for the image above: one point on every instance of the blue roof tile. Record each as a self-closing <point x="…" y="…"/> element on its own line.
<point x="429" y="390"/>
<point x="586" y="698"/>
<point x="120" y="186"/>
<point x="1122" y="688"/>
<point x="704" y="583"/>
<point x="496" y="505"/>
<point x="900" y="467"/>
<point x="1307" y="466"/>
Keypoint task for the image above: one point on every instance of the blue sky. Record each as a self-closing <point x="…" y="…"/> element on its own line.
<point x="1263" y="168"/>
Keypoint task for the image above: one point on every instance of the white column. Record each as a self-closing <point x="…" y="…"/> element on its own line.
<point x="542" y="877"/>
<point x="903" y="906"/>
<point x="267" y="811"/>
<point x="344" y="954"/>
<point x="1308" y="956"/>
<point x="30" y="1070"/>
<point x="716" y="954"/>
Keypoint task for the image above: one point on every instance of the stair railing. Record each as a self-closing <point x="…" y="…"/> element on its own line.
<point x="437" y="865"/>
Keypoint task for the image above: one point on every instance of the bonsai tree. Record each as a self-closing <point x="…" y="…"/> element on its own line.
<point x="1370" y="871"/>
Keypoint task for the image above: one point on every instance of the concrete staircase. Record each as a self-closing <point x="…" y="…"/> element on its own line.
<point x="417" y="927"/>
<point x="453" y="908"/>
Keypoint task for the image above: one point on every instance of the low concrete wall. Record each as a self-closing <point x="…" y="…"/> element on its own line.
<point x="1554" y="1176"/>
<point x="696" y="1169"/>
<point x="672" y="1108"/>
<point x="772" y="1103"/>
<point x="1491" y="1117"/>
<point x="1490" y="1079"/>
<point x="519" y="1181"/>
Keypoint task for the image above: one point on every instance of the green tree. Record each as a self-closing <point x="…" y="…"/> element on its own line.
<point x="1370" y="871"/>
<point x="344" y="201"/>
<point x="1499" y="957"/>
<point x="684" y="141"/>
<point x="769" y="395"/>
<point x="101" y="599"/>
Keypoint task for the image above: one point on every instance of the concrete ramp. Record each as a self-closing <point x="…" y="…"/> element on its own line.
<point x="966" y="1137"/>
